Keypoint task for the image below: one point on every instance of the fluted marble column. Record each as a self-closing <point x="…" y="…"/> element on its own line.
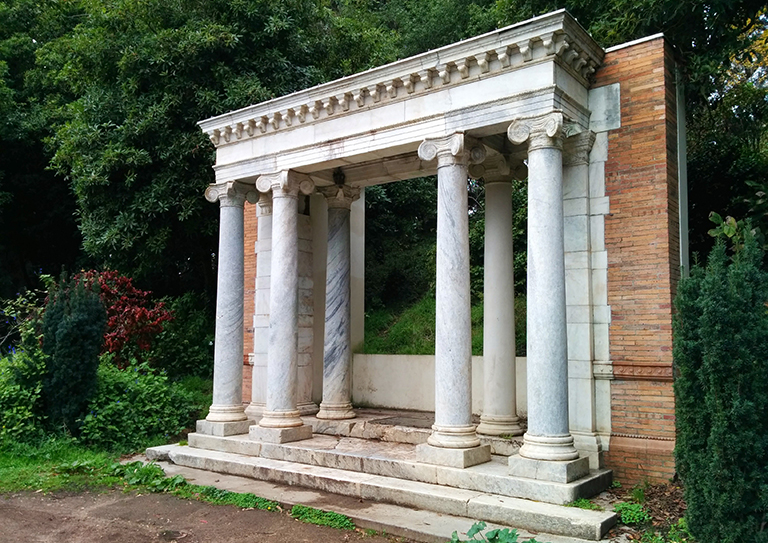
<point x="226" y="412"/>
<point x="499" y="397"/>
<point x="337" y="352"/>
<point x="453" y="428"/>
<point x="281" y="421"/>
<point x="547" y="437"/>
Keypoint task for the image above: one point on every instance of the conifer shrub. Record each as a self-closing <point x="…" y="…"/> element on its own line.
<point x="73" y="335"/>
<point x="721" y="390"/>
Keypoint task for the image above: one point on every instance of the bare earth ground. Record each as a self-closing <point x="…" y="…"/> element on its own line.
<point x="117" y="517"/>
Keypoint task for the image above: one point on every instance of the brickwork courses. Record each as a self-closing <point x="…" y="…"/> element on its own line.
<point x="642" y="241"/>
<point x="251" y="231"/>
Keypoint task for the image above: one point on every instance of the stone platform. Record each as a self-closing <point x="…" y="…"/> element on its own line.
<point x="374" y="457"/>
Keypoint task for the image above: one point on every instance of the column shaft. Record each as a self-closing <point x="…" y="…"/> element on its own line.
<point x="282" y="366"/>
<point x="453" y="426"/>
<point x="337" y="355"/>
<point x="499" y="398"/>
<point x="227" y="403"/>
<point x="547" y="437"/>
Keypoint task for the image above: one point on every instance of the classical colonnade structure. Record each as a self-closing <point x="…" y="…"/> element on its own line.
<point x="547" y="119"/>
<point x="515" y="103"/>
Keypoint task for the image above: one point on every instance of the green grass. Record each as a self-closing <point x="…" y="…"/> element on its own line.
<point x="322" y="518"/>
<point x="53" y="464"/>
<point x="583" y="503"/>
<point x="412" y="330"/>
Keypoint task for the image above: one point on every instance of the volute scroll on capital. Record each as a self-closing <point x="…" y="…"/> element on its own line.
<point x="540" y="131"/>
<point x="285" y="184"/>
<point x="340" y="196"/>
<point x="231" y="193"/>
<point x="452" y="149"/>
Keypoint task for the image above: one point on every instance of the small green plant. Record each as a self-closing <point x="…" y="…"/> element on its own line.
<point x="616" y="484"/>
<point x="678" y="533"/>
<point x="498" y="535"/>
<point x="631" y="513"/>
<point x="638" y="494"/>
<point x="583" y="503"/>
<point x="311" y="515"/>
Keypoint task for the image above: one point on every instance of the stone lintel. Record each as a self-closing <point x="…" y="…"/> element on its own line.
<point x="280" y="435"/>
<point x="223" y="429"/>
<point x="549" y="470"/>
<point x="455" y="458"/>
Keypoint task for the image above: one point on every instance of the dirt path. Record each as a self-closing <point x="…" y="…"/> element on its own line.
<point x="115" y="517"/>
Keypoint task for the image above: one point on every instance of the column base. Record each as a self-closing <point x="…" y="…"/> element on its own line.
<point x="226" y="413"/>
<point x="223" y="429"/>
<point x="336" y="411"/>
<point x="281" y="419"/>
<point x="591" y="446"/>
<point x="455" y="458"/>
<point x="556" y="448"/>
<point x="255" y="410"/>
<point x="491" y="425"/>
<point x="280" y="435"/>
<point x="547" y="470"/>
<point x="308" y="408"/>
<point x="454" y="437"/>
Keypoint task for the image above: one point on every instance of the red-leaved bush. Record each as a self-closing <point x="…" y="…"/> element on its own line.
<point x="133" y="319"/>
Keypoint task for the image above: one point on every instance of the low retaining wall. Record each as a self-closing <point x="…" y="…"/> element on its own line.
<point x="403" y="381"/>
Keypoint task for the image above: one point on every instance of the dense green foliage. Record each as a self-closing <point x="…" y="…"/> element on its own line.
<point x="721" y="391"/>
<point x="21" y="378"/>
<point x="73" y="333"/>
<point x="185" y="346"/>
<point x="131" y="408"/>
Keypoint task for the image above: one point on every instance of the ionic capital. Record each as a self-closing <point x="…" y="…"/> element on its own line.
<point x="231" y="194"/>
<point x="492" y="169"/>
<point x="541" y="131"/>
<point x="577" y="147"/>
<point x="457" y="148"/>
<point x="340" y="196"/>
<point x="285" y="184"/>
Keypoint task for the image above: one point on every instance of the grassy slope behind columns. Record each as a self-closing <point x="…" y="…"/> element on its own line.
<point x="412" y="330"/>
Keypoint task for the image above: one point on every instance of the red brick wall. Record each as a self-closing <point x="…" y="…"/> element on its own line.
<point x="250" y="223"/>
<point x="642" y="241"/>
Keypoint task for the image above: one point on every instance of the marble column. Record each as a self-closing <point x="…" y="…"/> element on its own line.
<point x="453" y="433"/>
<point x="261" y="308"/>
<point x="226" y="415"/>
<point x="281" y="421"/>
<point x="499" y="398"/>
<point x="547" y="437"/>
<point x="337" y="352"/>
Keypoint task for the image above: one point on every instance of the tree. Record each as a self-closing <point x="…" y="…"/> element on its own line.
<point x="37" y="211"/>
<point x="141" y="74"/>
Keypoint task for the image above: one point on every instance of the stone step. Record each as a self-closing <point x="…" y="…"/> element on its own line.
<point x="412" y="427"/>
<point x="518" y="513"/>
<point x="399" y="460"/>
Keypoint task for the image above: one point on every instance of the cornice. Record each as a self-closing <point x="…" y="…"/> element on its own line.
<point x="553" y="36"/>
